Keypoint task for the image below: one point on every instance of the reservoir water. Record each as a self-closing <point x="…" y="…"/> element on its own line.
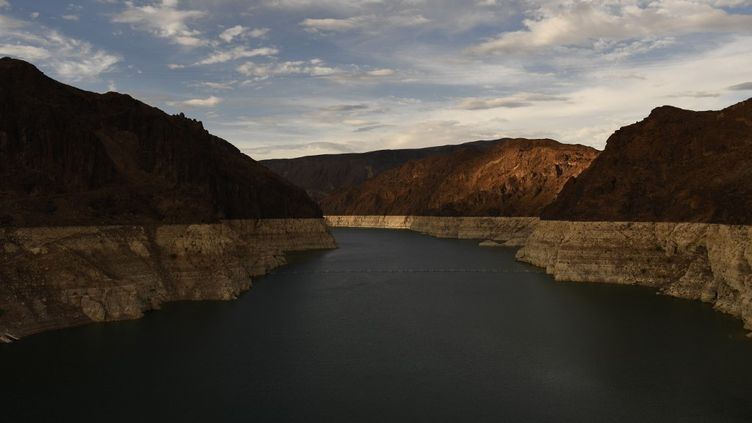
<point x="394" y="326"/>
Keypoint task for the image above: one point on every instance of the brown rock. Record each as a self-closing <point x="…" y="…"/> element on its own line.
<point x="674" y="166"/>
<point x="71" y="157"/>
<point x="516" y="177"/>
<point x="328" y="173"/>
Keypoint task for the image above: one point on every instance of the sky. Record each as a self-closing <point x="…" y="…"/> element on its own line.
<point x="287" y="78"/>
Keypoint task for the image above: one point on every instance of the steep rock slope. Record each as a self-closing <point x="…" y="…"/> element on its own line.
<point x="516" y="177"/>
<point x="110" y="207"/>
<point x="71" y="157"/>
<point x="668" y="204"/>
<point x="327" y="173"/>
<point x="676" y="166"/>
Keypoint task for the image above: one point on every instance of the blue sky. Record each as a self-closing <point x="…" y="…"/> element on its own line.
<point x="284" y="78"/>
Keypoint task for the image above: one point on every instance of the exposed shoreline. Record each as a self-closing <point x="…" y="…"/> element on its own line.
<point x="707" y="262"/>
<point x="56" y="277"/>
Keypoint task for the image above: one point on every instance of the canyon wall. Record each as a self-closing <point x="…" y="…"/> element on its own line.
<point x="55" y="277"/>
<point x="699" y="261"/>
<point x="509" y="231"/>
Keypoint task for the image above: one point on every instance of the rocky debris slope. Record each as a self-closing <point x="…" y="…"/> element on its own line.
<point x="674" y="166"/>
<point x="71" y="157"/>
<point x="325" y="174"/>
<point x="516" y="177"/>
<point x="64" y="276"/>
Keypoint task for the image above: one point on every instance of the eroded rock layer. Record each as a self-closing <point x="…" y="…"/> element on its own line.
<point x="707" y="262"/>
<point x="64" y="276"/>
<point x="510" y="231"/>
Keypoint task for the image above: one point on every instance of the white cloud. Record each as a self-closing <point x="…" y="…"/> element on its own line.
<point x="363" y="23"/>
<point x="240" y="31"/>
<point x="237" y="53"/>
<point x="380" y="72"/>
<point x="211" y="101"/>
<point x="4" y="4"/>
<point x="163" y="20"/>
<point x="313" y="67"/>
<point x="511" y="102"/>
<point x="70" y="17"/>
<point x="69" y="58"/>
<point x="554" y="24"/>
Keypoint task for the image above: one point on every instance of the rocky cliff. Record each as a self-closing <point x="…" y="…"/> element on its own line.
<point x="508" y="231"/>
<point x="674" y="166"/>
<point x="110" y="207"/>
<point x="667" y="205"/>
<point x="515" y="177"/>
<point x="71" y="157"/>
<point x="325" y="174"/>
<point x="707" y="262"/>
<point x="53" y="277"/>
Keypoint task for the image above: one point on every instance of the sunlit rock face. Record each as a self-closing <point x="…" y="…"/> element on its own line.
<point x="514" y="177"/>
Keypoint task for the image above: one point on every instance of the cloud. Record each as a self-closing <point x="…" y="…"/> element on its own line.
<point x="339" y="108"/>
<point x="237" y="53"/>
<point x="228" y="85"/>
<point x="695" y="94"/>
<point x="297" y="150"/>
<point x="744" y="86"/>
<point x="511" y="102"/>
<point x="363" y="23"/>
<point x="554" y="24"/>
<point x="240" y="31"/>
<point x="314" y="67"/>
<point x="4" y="4"/>
<point x="164" y="20"/>
<point x="69" y="58"/>
<point x="381" y="72"/>
<point x="197" y="102"/>
<point x="70" y="17"/>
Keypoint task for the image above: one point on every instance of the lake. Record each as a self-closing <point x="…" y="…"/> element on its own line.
<point x="394" y="326"/>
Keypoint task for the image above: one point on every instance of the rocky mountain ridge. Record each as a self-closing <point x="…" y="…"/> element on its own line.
<point x="512" y="177"/>
<point x="72" y="157"/>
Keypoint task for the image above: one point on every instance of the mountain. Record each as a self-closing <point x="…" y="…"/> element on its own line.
<point x="674" y="166"/>
<point x="325" y="174"/>
<point x="72" y="157"/>
<point x="512" y="177"/>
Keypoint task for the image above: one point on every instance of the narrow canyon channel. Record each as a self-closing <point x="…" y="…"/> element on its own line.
<point x="394" y="326"/>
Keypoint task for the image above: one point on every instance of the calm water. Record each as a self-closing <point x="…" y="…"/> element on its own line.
<point x="394" y="326"/>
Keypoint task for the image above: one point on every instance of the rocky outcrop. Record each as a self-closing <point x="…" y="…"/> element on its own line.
<point x="54" y="277"/>
<point x="514" y="177"/>
<point x="674" y="166"/>
<point x="707" y="262"/>
<point x="72" y="157"/>
<point x="325" y="174"/>
<point x="509" y="231"/>
<point x="110" y="207"/>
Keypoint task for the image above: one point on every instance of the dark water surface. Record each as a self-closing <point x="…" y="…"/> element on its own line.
<point x="394" y="326"/>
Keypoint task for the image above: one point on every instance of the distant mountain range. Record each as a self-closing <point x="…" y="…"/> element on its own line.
<point x="510" y="177"/>
<point x="325" y="174"/>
